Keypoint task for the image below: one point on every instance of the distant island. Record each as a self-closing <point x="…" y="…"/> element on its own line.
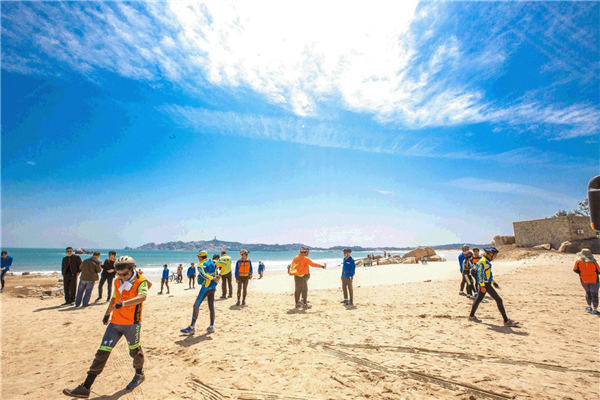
<point x="217" y="245"/>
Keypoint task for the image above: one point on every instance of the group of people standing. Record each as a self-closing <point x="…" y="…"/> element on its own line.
<point x="89" y="272"/>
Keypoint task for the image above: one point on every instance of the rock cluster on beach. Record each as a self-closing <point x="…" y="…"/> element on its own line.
<point x="412" y="257"/>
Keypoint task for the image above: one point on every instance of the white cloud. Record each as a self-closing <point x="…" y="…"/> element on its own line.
<point x="32" y="163"/>
<point x="385" y="192"/>
<point x="516" y="189"/>
<point x="380" y="58"/>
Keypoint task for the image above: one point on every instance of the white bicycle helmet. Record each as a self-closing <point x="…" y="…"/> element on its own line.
<point x="125" y="260"/>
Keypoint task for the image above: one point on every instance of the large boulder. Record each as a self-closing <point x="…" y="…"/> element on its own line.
<point x="436" y="258"/>
<point x="546" y="246"/>
<point x="503" y="240"/>
<point x="577" y="245"/>
<point x="409" y="260"/>
<point x="420" y="253"/>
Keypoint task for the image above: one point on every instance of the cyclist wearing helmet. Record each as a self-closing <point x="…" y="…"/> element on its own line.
<point x="207" y="279"/>
<point x="130" y="292"/>
<point x="486" y="280"/>
<point x="243" y="273"/>
<point x="299" y="269"/>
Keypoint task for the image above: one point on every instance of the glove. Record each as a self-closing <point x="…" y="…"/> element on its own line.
<point x="118" y="305"/>
<point x="496" y="285"/>
<point x="482" y="289"/>
<point x="324" y="266"/>
<point x="105" y="319"/>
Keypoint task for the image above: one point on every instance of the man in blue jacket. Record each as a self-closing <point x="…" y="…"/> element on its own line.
<point x="461" y="260"/>
<point x="348" y="270"/>
<point x="6" y="263"/>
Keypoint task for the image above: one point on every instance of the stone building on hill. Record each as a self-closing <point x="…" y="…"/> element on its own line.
<point x="555" y="231"/>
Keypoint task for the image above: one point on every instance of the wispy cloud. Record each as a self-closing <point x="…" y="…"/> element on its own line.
<point x="385" y="192"/>
<point x="32" y="163"/>
<point x="384" y="59"/>
<point x="516" y="189"/>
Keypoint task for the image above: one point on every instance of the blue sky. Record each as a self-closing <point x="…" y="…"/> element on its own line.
<point x="393" y="123"/>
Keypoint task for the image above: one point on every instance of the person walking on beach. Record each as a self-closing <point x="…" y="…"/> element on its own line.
<point x="461" y="259"/>
<point x="243" y="273"/>
<point x="226" y="275"/>
<point x="589" y="275"/>
<point x="485" y="279"/>
<point x="191" y="274"/>
<point x="90" y="268"/>
<point x="131" y="290"/>
<point x="108" y="274"/>
<point x="466" y="271"/>
<point x="6" y="262"/>
<point x="71" y="266"/>
<point x="299" y="269"/>
<point x="348" y="269"/>
<point x="179" y="273"/>
<point x="164" y="279"/>
<point x="207" y="279"/>
<point x="261" y="269"/>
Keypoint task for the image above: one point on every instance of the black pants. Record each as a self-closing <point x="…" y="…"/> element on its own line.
<point x="108" y="279"/>
<point x="2" y="278"/>
<point x="469" y="281"/>
<point x="226" y="278"/>
<point x="70" y="287"/>
<point x="191" y="281"/>
<point x="489" y="289"/>
<point x="347" y="288"/>
<point x="301" y="285"/>
<point x="242" y="284"/>
<point x="111" y="337"/>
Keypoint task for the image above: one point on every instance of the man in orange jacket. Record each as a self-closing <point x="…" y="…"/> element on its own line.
<point x="299" y="269"/>
<point x="589" y="271"/>
<point x="130" y="292"/>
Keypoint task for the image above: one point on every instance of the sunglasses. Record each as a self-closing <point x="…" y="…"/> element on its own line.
<point x="124" y="274"/>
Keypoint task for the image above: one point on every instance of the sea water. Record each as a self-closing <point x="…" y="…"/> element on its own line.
<point x="152" y="261"/>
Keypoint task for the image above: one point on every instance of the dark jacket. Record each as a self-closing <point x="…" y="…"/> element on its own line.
<point x="90" y="268"/>
<point x="108" y="264"/>
<point x="71" y="264"/>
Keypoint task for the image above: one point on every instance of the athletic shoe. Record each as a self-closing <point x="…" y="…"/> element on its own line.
<point x="510" y="322"/>
<point x="588" y="309"/>
<point x="344" y="302"/>
<point x="159" y="292"/>
<point x="462" y="293"/>
<point x="136" y="381"/>
<point x="190" y="330"/>
<point x="244" y="302"/>
<point x="350" y="303"/>
<point x="80" y="391"/>
<point x="210" y="329"/>
<point x="299" y="305"/>
<point x="595" y="312"/>
<point x="238" y="303"/>
<point x="474" y="319"/>
<point x="306" y="306"/>
<point x="97" y="299"/>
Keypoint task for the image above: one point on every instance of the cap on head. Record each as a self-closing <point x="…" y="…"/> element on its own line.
<point x="124" y="262"/>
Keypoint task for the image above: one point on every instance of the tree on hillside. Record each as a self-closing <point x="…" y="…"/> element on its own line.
<point x="583" y="208"/>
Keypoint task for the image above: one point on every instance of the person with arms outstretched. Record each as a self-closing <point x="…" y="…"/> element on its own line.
<point x="299" y="269"/>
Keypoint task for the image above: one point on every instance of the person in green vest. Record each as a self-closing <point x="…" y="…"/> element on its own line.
<point x="225" y="264"/>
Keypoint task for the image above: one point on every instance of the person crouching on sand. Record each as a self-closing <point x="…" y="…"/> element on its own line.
<point x="130" y="292"/>
<point x="243" y="273"/>
<point x="300" y="271"/>
<point x="485" y="278"/>
<point x="348" y="270"/>
<point x="588" y="270"/>
<point x="207" y="279"/>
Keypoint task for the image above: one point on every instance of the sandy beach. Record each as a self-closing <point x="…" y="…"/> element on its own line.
<point x="407" y="338"/>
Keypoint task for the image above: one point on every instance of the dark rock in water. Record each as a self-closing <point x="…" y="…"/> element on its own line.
<point x="83" y="251"/>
